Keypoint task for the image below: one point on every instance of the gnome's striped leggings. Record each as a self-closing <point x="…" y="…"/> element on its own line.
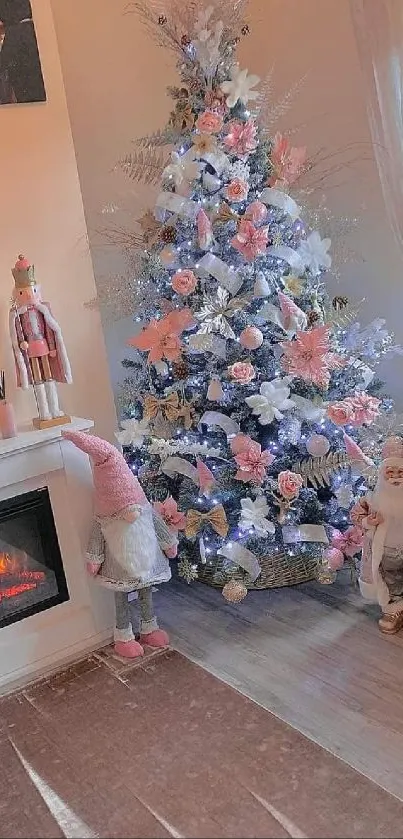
<point x="124" y="613"/>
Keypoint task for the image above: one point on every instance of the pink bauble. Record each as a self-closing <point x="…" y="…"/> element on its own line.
<point x="251" y="338"/>
<point x="318" y="445"/>
<point x="334" y="558"/>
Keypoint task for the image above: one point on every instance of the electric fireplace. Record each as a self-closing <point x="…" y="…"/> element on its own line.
<point x="31" y="569"/>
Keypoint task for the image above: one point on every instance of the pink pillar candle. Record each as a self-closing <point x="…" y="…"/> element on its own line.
<point x="8" y="427"/>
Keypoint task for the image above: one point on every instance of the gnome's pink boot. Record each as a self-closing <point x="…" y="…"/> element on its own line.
<point x="157" y="638"/>
<point x="128" y="649"/>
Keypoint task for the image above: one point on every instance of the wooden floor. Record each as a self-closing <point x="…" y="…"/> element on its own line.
<point x="312" y="655"/>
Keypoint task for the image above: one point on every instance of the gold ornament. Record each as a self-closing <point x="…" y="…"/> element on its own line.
<point x="187" y="571"/>
<point x="215" y="517"/>
<point x="293" y="285"/>
<point x="168" y="408"/>
<point x="150" y="228"/>
<point x="226" y="213"/>
<point x="182" y="118"/>
<point x="234" y="591"/>
<point x="188" y="414"/>
<point x="324" y="575"/>
<point x="339" y="302"/>
<point x="168" y="235"/>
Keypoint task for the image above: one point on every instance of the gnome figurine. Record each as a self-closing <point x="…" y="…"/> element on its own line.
<point x="128" y="546"/>
<point x="39" y="351"/>
<point x="380" y="514"/>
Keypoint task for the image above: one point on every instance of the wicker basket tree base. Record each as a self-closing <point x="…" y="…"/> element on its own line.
<point x="277" y="570"/>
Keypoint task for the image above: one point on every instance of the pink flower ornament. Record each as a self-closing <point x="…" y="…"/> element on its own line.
<point x="236" y="191"/>
<point x="241" y="138"/>
<point x="250" y="241"/>
<point x="252" y="462"/>
<point x="172" y="517"/>
<point x="308" y="356"/>
<point x="349" y="542"/>
<point x="184" y="282"/>
<point x="209" y="122"/>
<point x="365" y="409"/>
<point x="242" y="372"/>
<point x="289" y="484"/>
<point x="287" y="161"/>
<point x="162" y="337"/>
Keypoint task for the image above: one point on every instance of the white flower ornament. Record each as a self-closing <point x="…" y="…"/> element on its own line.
<point x="272" y="401"/>
<point x="314" y="253"/>
<point x="254" y="515"/>
<point x="182" y="170"/>
<point x="239" y="87"/>
<point x="133" y="433"/>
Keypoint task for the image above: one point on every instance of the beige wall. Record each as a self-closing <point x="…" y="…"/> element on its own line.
<point x="115" y="81"/>
<point x="41" y="214"/>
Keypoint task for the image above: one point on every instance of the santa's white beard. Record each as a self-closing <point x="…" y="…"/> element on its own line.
<point x="132" y="544"/>
<point x="387" y="498"/>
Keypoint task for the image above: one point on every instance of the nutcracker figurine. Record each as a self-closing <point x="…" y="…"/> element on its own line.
<point x="39" y="352"/>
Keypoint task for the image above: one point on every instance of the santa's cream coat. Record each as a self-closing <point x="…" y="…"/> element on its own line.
<point x="388" y="501"/>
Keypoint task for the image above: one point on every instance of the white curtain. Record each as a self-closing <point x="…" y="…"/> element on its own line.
<point x="378" y="28"/>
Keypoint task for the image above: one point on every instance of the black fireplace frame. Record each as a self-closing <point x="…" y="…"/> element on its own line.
<point x="38" y="500"/>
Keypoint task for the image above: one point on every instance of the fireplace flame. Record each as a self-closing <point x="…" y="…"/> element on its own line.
<point x="8" y="564"/>
<point x="16" y="579"/>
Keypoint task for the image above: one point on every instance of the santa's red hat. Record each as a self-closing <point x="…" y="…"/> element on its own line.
<point x="115" y="485"/>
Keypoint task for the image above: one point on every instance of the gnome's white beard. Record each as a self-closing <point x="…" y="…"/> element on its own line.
<point x="132" y="544"/>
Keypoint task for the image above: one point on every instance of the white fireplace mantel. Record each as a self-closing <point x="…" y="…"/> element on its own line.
<point x="36" y="645"/>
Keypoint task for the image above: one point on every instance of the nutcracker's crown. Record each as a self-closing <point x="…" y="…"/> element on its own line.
<point x="23" y="273"/>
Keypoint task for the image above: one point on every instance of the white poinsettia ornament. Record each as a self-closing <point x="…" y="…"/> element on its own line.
<point x="133" y="433"/>
<point x="254" y="516"/>
<point x="239" y="87"/>
<point x="314" y="253"/>
<point x="182" y="171"/>
<point x="273" y="399"/>
<point x="345" y="496"/>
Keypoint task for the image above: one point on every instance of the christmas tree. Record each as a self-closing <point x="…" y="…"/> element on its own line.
<point x="248" y="404"/>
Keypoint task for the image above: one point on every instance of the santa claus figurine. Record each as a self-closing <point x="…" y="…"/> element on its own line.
<point x="129" y="544"/>
<point x="39" y="352"/>
<point x="380" y="514"/>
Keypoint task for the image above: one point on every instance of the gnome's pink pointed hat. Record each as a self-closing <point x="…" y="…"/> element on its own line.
<point x="115" y="485"/>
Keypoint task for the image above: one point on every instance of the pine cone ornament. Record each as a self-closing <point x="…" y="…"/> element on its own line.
<point x="339" y="302"/>
<point x="245" y="29"/>
<point x="234" y="591"/>
<point x="312" y="317"/>
<point x="162" y="20"/>
<point x="185" y="40"/>
<point x="180" y="369"/>
<point x="168" y="235"/>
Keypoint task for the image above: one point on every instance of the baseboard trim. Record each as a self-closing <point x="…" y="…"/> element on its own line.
<point x="46" y="667"/>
